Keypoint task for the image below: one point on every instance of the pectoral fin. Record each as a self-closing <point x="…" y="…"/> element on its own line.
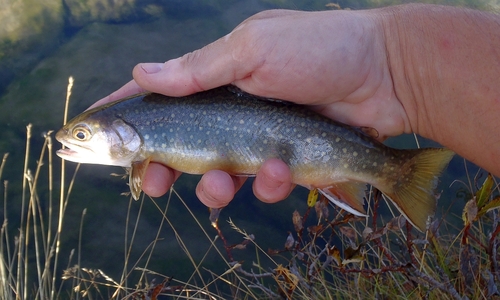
<point x="137" y="171"/>
<point x="347" y="195"/>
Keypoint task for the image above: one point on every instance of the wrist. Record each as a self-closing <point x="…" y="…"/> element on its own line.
<point x="410" y="63"/>
<point x="445" y="66"/>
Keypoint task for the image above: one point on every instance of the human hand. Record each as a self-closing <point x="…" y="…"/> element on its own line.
<point x="333" y="61"/>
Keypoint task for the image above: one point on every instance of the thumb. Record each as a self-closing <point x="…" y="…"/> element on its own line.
<point x="209" y="67"/>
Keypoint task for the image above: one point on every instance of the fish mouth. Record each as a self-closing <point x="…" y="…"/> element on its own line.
<point x="66" y="152"/>
<point x="72" y="152"/>
<point x="69" y="154"/>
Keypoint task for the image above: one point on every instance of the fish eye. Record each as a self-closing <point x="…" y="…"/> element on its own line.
<point x="81" y="133"/>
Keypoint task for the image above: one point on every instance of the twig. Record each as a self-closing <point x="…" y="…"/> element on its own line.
<point x="312" y="268"/>
<point x="239" y="269"/>
<point x="376" y="204"/>
<point x="446" y="286"/>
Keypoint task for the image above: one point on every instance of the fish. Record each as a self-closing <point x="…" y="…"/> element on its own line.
<point x="230" y="130"/>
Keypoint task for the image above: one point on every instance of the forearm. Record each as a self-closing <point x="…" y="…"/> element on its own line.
<point x="445" y="65"/>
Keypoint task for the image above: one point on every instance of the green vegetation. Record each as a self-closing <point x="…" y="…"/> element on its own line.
<point x="327" y="254"/>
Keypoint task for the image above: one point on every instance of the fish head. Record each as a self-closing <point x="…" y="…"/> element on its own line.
<point x="94" y="141"/>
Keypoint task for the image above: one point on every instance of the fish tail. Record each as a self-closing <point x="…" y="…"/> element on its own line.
<point x="412" y="190"/>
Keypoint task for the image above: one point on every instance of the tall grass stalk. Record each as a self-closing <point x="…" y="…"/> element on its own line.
<point x="62" y="191"/>
<point x="4" y="280"/>
<point x="21" y="233"/>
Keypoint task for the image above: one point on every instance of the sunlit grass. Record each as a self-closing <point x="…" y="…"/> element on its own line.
<point x="327" y="253"/>
<point x="20" y="278"/>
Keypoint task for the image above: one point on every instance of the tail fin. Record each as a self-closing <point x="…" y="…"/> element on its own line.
<point x="413" y="190"/>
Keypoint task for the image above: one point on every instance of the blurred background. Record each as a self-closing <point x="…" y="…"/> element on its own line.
<point x="98" y="42"/>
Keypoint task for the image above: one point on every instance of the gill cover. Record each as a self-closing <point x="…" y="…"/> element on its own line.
<point x="126" y="143"/>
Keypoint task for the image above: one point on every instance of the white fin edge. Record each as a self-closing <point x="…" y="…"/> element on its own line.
<point x="341" y="204"/>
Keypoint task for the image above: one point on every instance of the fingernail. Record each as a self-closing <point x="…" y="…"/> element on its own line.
<point x="151" y="68"/>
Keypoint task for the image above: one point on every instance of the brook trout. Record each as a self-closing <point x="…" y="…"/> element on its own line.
<point x="230" y="130"/>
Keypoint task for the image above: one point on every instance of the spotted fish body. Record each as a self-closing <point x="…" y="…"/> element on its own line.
<point x="236" y="132"/>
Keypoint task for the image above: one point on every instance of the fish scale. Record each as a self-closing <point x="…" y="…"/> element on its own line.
<point x="230" y="130"/>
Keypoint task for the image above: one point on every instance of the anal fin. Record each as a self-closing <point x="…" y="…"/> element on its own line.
<point x="136" y="175"/>
<point x="347" y="195"/>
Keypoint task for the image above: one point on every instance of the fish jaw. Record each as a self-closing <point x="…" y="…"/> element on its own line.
<point x="79" y="154"/>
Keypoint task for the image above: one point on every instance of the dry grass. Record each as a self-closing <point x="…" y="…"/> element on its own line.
<point x="327" y="254"/>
